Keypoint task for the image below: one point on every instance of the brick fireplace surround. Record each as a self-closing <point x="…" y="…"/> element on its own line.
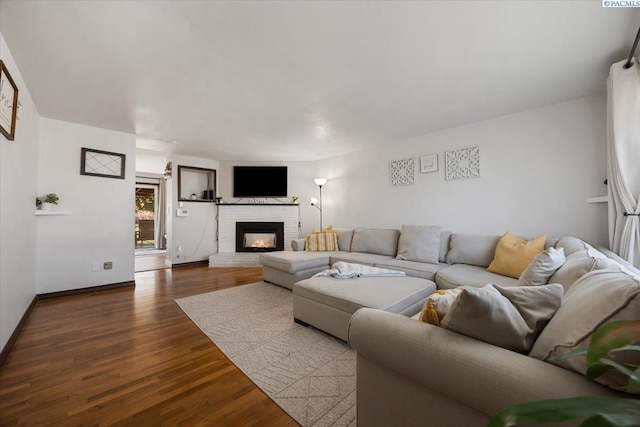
<point x="230" y="213"/>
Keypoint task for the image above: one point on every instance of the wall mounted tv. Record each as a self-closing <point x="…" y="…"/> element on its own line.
<point x="259" y="181"/>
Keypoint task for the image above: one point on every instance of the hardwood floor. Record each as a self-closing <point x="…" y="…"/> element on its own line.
<point x="130" y="357"/>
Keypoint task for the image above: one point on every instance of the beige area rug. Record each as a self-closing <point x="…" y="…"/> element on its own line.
<point x="310" y="374"/>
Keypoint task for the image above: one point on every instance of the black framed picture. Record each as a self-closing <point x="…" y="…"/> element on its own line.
<point x="102" y="163"/>
<point x="8" y="103"/>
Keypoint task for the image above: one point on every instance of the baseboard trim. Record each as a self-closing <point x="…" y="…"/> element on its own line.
<point x="190" y="264"/>
<point x="16" y="332"/>
<point x="88" y="290"/>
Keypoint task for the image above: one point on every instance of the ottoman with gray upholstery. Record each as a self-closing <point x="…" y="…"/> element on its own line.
<point x="328" y="303"/>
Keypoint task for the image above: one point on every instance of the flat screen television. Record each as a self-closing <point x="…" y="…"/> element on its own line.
<point x="259" y="181"/>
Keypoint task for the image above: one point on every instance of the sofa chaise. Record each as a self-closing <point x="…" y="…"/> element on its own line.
<point x="411" y="373"/>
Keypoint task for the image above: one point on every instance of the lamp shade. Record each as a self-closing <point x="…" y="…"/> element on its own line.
<point x="320" y="181"/>
<point x="314" y="201"/>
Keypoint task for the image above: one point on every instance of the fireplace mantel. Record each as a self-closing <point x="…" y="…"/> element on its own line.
<point x="230" y="213"/>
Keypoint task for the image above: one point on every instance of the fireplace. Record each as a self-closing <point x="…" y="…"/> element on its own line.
<point x="259" y="236"/>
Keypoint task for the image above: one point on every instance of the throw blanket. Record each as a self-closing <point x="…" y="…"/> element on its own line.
<point x="343" y="270"/>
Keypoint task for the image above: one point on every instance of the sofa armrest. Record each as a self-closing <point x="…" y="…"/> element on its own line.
<point x="475" y="374"/>
<point x="298" y="244"/>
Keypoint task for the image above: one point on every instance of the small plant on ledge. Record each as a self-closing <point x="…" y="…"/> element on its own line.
<point x="47" y="201"/>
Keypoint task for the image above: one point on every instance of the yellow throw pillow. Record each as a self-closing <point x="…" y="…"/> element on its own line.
<point x="321" y="242"/>
<point x="514" y="254"/>
<point x="437" y="305"/>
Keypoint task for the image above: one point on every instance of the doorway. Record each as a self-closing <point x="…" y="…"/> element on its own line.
<point x="150" y="252"/>
<point x="146" y="207"/>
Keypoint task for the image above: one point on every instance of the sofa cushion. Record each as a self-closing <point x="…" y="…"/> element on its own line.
<point x="393" y="294"/>
<point x="470" y="275"/>
<point x="375" y="241"/>
<point x="437" y="305"/>
<point x="344" y="238"/>
<point x="514" y="254"/>
<point x="445" y="239"/>
<point x="472" y="249"/>
<point x="293" y="261"/>
<point x="419" y="243"/>
<point x="510" y="318"/>
<point x="597" y="298"/>
<point x="570" y="245"/>
<point x="580" y="263"/>
<point x="359" y="258"/>
<point x="543" y="266"/>
<point x="321" y="242"/>
<point x="422" y="270"/>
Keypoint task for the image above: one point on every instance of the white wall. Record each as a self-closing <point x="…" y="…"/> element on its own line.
<point x="101" y="227"/>
<point x="195" y="234"/>
<point x="150" y="163"/>
<point x="537" y="168"/>
<point x="18" y="185"/>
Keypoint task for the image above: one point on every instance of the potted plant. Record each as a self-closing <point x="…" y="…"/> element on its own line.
<point x="47" y="201"/>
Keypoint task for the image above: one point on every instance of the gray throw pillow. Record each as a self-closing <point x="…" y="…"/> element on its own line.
<point x="375" y="241"/>
<point x="345" y="235"/>
<point x="580" y="263"/>
<point x="420" y="243"/>
<point x="510" y="318"/>
<point x="598" y="297"/>
<point x="472" y="249"/>
<point x="542" y="267"/>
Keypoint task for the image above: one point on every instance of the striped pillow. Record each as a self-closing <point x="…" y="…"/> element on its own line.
<point x="322" y="242"/>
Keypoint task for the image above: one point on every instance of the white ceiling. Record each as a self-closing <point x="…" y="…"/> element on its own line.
<point x="306" y="80"/>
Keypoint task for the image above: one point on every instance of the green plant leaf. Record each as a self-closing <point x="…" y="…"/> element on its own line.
<point x="597" y="369"/>
<point x="612" y="336"/>
<point x="573" y="353"/>
<point x="634" y="382"/>
<point x="558" y="410"/>
<point x="611" y="421"/>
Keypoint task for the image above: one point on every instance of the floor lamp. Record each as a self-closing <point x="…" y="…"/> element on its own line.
<point x="318" y="203"/>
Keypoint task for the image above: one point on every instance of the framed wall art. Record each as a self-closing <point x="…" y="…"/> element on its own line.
<point x="8" y="103"/>
<point x="429" y="163"/>
<point x="402" y="172"/>
<point x="102" y="163"/>
<point x="463" y="163"/>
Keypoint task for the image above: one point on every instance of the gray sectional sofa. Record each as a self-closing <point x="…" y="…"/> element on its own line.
<point x="413" y="373"/>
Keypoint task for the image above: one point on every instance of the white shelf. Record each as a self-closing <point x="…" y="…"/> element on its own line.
<point x="46" y="213"/>
<point x="599" y="199"/>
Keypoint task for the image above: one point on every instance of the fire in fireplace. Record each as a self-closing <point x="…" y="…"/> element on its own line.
<point x="259" y="236"/>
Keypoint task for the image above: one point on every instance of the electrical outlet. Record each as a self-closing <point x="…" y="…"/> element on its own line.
<point x="179" y="252"/>
<point x="108" y="265"/>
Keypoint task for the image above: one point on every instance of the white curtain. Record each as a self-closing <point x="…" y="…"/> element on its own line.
<point x="161" y="215"/>
<point x="623" y="150"/>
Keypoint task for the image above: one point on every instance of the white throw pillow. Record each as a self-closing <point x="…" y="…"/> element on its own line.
<point x="542" y="267"/>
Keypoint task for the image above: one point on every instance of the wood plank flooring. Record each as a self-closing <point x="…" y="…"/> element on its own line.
<point x="130" y="357"/>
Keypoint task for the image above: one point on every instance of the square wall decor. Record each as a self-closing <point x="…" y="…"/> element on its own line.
<point x="102" y="163"/>
<point x="402" y="172"/>
<point x="462" y="163"/>
<point x="429" y="163"/>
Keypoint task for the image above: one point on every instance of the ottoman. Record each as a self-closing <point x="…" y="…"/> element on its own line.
<point x="328" y="303"/>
